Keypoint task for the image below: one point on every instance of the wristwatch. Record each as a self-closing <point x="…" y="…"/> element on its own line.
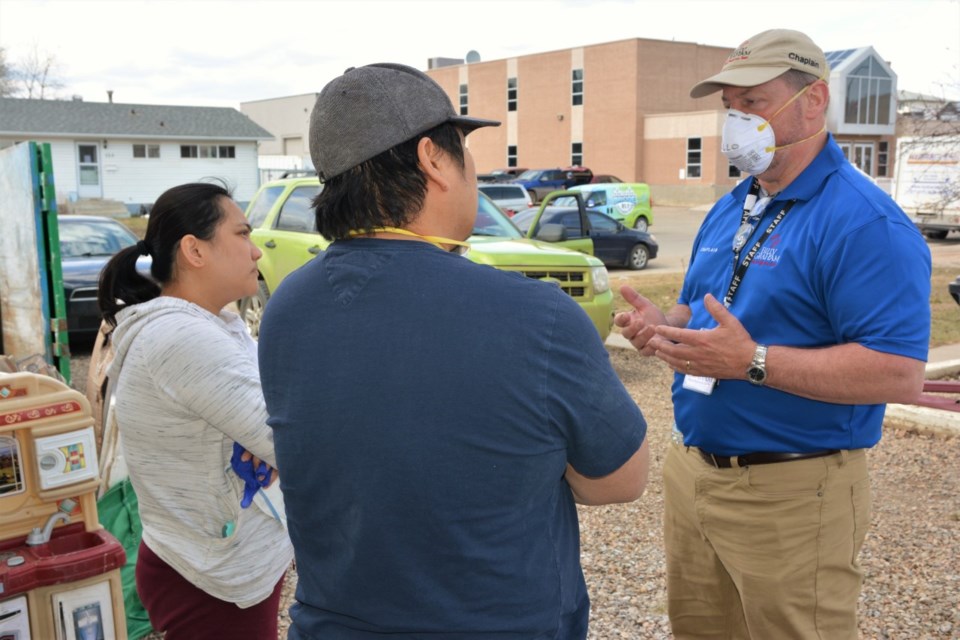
<point x="757" y="371"/>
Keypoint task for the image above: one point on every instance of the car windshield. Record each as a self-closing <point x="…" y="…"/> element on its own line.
<point x="565" y="201"/>
<point x="88" y="238"/>
<point x="491" y="221"/>
<point x="523" y="219"/>
<point x="529" y="174"/>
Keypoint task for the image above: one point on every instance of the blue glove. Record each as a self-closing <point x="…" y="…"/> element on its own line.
<point x="252" y="478"/>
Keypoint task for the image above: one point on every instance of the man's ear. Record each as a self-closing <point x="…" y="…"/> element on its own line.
<point x="191" y="250"/>
<point x="434" y="163"/>
<point x="818" y="98"/>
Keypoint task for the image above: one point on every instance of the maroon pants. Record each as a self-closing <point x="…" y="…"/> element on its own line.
<point x="184" y="612"/>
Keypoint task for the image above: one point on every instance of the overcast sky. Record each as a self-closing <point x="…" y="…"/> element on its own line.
<point x="216" y="53"/>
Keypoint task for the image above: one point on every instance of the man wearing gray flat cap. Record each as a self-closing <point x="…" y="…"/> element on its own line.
<point x="805" y="308"/>
<point x="435" y="420"/>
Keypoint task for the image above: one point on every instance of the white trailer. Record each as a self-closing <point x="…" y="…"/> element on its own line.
<point x="927" y="183"/>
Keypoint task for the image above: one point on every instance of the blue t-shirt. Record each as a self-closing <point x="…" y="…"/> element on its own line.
<point x="424" y="410"/>
<point x="844" y="265"/>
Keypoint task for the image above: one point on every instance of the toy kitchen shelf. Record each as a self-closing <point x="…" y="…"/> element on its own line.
<point x="59" y="569"/>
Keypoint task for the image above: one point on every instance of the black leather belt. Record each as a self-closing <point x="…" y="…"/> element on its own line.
<point x="748" y="459"/>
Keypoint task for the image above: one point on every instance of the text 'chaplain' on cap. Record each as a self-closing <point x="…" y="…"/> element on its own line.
<point x="371" y="109"/>
<point x="764" y="57"/>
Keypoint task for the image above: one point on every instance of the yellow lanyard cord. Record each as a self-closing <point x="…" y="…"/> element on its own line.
<point x="437" y="241"/>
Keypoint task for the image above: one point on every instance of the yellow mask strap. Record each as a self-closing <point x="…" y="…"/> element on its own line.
<point x="785" y="104"/>
<point x="437" y="241"/>
<point x="822" y="129"/>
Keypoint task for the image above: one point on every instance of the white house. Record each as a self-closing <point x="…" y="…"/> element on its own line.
<point x="131" y="153"/>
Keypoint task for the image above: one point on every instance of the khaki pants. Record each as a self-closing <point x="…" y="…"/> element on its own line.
<point x="768" y="551"/>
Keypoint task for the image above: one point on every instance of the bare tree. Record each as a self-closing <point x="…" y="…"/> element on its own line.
<point x="6" y="76"/>
<point x="36" y="75"/>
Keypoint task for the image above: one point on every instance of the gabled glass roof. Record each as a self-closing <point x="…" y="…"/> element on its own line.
<point x="834" y="57"/>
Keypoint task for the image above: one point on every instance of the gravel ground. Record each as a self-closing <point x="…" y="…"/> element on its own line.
<point x="911" y="557"/>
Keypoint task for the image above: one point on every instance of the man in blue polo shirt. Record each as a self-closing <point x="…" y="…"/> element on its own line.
<point x="805" y="309"/>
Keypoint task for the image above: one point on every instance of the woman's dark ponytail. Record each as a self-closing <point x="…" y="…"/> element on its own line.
<point x="120" y="281"/>
<point x="188" y="209"/>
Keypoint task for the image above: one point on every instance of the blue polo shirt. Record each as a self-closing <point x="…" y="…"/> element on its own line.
<point x="844" y="265"/>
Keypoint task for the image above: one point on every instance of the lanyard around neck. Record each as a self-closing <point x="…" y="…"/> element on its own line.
<point x="740" y="267"/>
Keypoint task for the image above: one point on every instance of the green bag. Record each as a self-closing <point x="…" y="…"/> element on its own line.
<point x="118" y="511"/>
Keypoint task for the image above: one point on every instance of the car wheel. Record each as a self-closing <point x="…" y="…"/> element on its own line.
<point x="638" y="257"/>
<point x="936" y="234"/>
<point x="251" y="308"/>
<point x="640" y="224"/>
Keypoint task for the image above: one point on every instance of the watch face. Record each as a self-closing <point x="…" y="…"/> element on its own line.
<point x="756" y="374"/>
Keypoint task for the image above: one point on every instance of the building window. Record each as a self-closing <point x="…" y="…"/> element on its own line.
<point x="882" y="159"/>
<point x="869" y="94"/>
<point x="207" y="151"/>
<point x="511" y="94"/>
<point x="694" y="147"/>
<point x="576" y="154"/>
<point x="863" y="157"/>
<point x="732" y="171"/>
<point x="146" y="151"/>
<point x="576" y="88"/>
<point x="512" y="155"/>
<point x="463" y="100"/>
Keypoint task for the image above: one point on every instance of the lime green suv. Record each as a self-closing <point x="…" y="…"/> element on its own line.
<point x="285" y="229"/>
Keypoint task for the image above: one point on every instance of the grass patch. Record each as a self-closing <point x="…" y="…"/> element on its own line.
<point x="663" y="290"/>
<point x="944" y="312"/>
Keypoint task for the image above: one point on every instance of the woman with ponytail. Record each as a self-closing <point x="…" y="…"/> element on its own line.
<point x="187" y="389"/>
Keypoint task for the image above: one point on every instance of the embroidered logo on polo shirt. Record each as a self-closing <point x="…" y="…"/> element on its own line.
<point x="769" y="256"/>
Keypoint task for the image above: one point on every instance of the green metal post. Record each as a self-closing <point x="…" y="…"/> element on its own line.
<point x="60" y="346"/>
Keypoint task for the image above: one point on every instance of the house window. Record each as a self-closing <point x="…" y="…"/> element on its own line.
<point x="207" y="151"/>
<point x="576" y="154"/>
<point x="882" y="159"/>
<point x="694" y="147"/>
<point x="463" y="100"/>
<point x="869" y="94"/>
<point x="511" y="94"/>
<point x="576" y="87"/>
<point x="512" y="155"/>
<point x="732" y="171"/>
<point x="146" y="151"/>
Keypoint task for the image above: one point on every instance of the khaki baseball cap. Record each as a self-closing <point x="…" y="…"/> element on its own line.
<point x="764" y="57"/>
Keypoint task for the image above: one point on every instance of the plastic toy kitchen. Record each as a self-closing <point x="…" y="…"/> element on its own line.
<point x="59" y="569"/>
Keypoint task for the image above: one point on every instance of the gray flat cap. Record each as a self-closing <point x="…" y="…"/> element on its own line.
<point x="371" y="109"/>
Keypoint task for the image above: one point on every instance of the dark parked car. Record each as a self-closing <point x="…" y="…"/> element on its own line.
<point x="86" y="245"/>
<point x="604" y="179"/>
<point x="501" y="175"/>
<point x="540" y="182"/>
<point x="613" y="243"/>
<point x="954" y="288"/>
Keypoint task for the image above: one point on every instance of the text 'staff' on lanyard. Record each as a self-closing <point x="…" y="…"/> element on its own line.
<point x="740" y="267"/>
